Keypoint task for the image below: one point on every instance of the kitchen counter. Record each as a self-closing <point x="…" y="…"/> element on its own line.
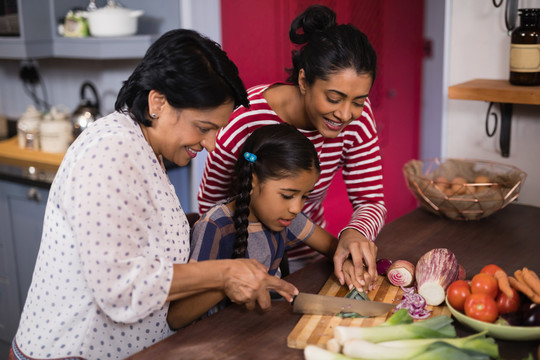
<point x="509" y="238"/>
<point x="34" y="167"/>
<point x="29" y="167"/>
<point x="12" y="154"/>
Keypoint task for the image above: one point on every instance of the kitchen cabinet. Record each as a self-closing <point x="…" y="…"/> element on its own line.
<point x="180" y="178"/>
<point x="501" y="92"/>
<point x="22" y="208"/>
<point x="39" y="36"/>
<point x="34" y="39"/>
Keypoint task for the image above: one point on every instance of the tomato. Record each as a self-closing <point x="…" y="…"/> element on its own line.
<point x="457" y="292"/>
<point x="490" y="269"/>
<point x="506" y="304"/>
<point x="481" y="307"/>
<point x="484" y="284"/>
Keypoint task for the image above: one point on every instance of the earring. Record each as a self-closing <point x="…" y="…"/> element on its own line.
<point x="154" y="115"/>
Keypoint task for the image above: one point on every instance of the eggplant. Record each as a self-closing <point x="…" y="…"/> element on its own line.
<point x="513" y="318"/>
<point x="531" y="315"/>
<point x="528" y="314"/>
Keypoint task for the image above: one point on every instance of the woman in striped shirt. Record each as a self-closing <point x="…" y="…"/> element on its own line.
<point x="326" y="98"/>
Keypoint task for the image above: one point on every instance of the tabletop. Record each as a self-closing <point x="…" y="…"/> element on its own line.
<point x="509" y="238"/>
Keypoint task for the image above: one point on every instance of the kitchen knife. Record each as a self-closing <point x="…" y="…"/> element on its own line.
<point x="332" y="305"/>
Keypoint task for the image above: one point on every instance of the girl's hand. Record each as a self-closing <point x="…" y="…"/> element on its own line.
<point x="349" y="275"/>
<point x="246" y="281"/>
<point x="363" y="252"/>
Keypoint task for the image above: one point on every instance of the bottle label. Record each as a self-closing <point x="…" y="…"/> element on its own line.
<point x="525" y="58"/>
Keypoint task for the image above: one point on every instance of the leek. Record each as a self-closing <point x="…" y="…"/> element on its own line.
<point x="477" y="345"/>
<point x="313" y="352"/>
<point x="477" y="342"/>
<point x="437" y="327"/>
<point x="401" y="316"/>
<point x="378" y="334"/>
<point x="447" y="352"/>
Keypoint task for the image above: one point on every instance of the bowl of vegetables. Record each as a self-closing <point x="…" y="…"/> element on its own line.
<point x="463" y="189"/>
<point x="499" y="329"/>
<point x="507" y="306"/>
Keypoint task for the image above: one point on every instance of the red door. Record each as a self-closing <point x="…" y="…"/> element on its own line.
<point x="255" y="36"/>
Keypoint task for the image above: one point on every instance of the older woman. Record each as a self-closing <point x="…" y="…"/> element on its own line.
<point x="115" y="241"/>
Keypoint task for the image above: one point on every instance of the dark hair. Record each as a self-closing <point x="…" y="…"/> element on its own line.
<point x="329" y="47"/>
<point x="190" y="70"/>
<point x="281" y="151"/>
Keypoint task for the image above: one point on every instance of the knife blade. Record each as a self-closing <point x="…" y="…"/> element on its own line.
<point x="332" y="305"/>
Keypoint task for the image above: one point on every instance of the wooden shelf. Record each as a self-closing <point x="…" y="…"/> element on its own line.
<point x="501" y="92"/>
<point x="497" y="91"/>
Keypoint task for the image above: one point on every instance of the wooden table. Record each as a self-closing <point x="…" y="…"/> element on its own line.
<point x="509" y="238"/>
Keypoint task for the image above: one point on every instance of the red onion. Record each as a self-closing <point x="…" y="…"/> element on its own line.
<point x="383" y="265"/>
<point x="414" y="303"/>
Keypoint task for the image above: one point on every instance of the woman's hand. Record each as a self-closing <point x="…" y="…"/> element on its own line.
<point x="246" y="281"/>
<point x="363" y="253"/>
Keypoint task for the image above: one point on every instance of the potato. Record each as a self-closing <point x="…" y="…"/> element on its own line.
<point x="458" y="186"/>
<point x="481" y="179"/>
<point x="442" y="183"/>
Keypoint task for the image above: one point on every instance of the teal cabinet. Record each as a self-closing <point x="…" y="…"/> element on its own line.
<point x="22" y="208"/>
<point x="180" y="178"/>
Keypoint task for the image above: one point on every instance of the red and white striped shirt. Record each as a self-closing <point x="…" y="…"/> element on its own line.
<point x="356" y="149"/>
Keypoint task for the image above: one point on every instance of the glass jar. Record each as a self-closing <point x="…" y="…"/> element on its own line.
<point x="28" y="128"/>
<point x="525" y="49"/>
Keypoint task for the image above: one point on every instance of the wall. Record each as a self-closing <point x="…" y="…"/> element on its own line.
<point x="433" y="117"/>
<point x="479" y="48"/>
<point x="395" y="96"/>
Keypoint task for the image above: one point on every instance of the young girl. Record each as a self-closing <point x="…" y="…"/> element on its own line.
<point x="326" y="98"/>
<point x="274" y="175"/>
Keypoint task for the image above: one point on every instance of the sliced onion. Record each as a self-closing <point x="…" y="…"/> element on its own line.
<point x="414" y="303"/>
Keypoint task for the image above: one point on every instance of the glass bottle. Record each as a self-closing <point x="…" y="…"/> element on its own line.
<point x="525" y="49"/>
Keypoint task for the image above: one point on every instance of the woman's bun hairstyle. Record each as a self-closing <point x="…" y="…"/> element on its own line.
<point x="328" y="47"/>
<point x="315" y="19"/>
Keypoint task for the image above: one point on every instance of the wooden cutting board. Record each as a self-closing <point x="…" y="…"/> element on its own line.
<point x="318" y="329"/>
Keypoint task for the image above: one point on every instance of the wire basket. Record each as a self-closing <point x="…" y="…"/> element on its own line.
<point x="463" y="189"/>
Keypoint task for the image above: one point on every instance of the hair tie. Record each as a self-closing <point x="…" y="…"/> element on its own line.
<point x="250" y="157"/>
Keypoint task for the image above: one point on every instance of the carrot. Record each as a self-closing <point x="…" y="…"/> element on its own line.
<point x="531" y="280"/>
<point x="518" y="274"/>
<point x="533" y="274"/>
<point x="504" y="285"/>
<point x="519" y="286"/>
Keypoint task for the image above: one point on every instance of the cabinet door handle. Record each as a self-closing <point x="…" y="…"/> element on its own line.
<point x="33" y="194"/>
